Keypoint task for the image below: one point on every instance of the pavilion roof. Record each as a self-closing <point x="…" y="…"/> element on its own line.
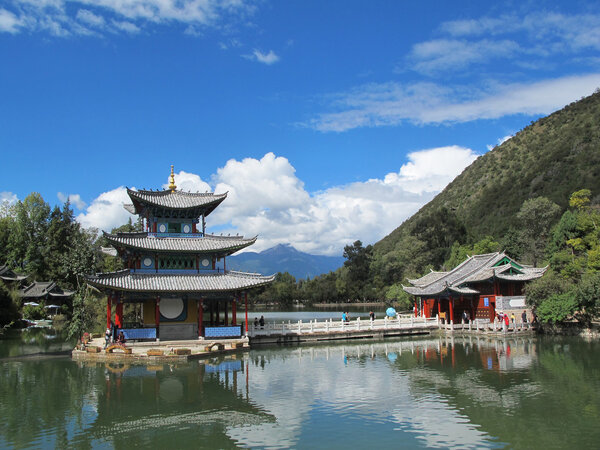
<point x="174" y="200"/>
<point x="126" y="280"/>
<point x="39" y="289"/>
<point x="474" y="269"/>
<point x="196" y="244"/>
<point x="8" y="275"/>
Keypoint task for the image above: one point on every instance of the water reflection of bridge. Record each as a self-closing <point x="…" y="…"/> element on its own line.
<point x="516" y="352"/>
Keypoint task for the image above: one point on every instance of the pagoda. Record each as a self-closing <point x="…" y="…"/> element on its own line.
<point x="478" y="288"/>
<point x="175" y="270"/>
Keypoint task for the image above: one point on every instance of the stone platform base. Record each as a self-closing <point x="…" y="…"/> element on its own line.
<point x="160" y="352"/>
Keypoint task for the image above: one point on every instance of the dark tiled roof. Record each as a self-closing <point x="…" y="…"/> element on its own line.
<point x="174" y="200"/>
<point x="428" y="278"/>
<point x="39" y="289"/>
<point x="8" y="275"/>
<point x="196" y="244"/>
<point x="473" y="269"/>
<point x="125" y="280"/>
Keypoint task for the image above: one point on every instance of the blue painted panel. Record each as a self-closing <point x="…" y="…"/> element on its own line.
<point x="222" y="332"/>
<point x="139" y="333"/>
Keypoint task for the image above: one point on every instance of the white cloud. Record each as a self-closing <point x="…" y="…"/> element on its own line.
<point x="125" y="26"/>
<point x="130" y="16"/>
<point x="452" y="54"/>
<point x="540" y="35"/>
<point x="90" y="18"/>
<point x="8" y="197"/>
<point x="9" y="23"/>
<point x="265" y="58"/>
<point x="189" y="182"/>
<point x="500" y="141"/>
<point x="390" y="104"/>
<point x="432" y="169"/>
<point x="74" y="199"/>
<point x="266" y="198"/>
<point x="106" y="211"/>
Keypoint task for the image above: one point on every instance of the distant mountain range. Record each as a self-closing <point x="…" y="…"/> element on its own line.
<point x="285" y="258"/>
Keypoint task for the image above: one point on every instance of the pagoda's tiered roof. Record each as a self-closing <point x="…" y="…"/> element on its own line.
<point x="203" y="203"/>
<point x="474" y="269"/>
<point x="126" y="280"/>
<point x="192" y="244"/>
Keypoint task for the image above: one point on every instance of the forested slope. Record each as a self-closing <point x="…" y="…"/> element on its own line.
<point x="553" y="157"/>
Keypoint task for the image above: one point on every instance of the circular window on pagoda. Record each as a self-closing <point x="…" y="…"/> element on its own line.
<point x="147" y="262"/>
<point x="186" y="228"/>
<point x="205" y="262"/>
<point x="162" y="228"/>
<point x="172" y="308"/>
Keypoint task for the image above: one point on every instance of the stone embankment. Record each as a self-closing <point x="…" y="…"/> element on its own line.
<point x="157" y="352"/>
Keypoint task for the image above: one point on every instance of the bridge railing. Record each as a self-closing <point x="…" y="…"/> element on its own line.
<point x="336" y="326"/>
<point x="485" y="325"/>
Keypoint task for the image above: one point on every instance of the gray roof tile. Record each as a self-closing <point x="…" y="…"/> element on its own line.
<point x="196" y="244"/>
<point x="473" y="269"/>
<point x="175" y="199"/>
<point x="126" y="280"/>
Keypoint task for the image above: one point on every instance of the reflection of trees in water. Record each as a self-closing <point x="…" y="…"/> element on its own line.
<point x="41" y="398"/>
<point x="28" y="341"/>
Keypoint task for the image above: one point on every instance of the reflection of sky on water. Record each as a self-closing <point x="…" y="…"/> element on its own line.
<point x="370" y="387"/>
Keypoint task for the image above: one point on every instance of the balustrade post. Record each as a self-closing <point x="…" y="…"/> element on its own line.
<point x="300" y="327"/>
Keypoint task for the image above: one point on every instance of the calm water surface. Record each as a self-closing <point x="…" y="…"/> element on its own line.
<point x="420" y="393"/>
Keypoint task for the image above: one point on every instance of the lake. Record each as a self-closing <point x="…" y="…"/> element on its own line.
<point x="537" y="392"/>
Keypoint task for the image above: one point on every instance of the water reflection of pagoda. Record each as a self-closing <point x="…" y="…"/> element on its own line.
<point x="170" y="407"/>
<point x="175" y="270"/>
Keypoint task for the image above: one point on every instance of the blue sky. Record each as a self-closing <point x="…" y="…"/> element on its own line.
<point x="326" y="122"/>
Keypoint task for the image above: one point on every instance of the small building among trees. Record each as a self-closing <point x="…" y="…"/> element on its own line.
<point x="479" y="286"/>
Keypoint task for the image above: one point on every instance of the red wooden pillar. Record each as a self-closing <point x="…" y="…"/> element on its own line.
<point x="246" y="305"/>
<point x="200" y="318"/>
<point x="451" y="305"/>
<point x="108" y="312"/>
<point x="119" y="313"/>
<point x="157" y="316"/>
<point x="416" y="309"/>
<point x="233" y="312"/>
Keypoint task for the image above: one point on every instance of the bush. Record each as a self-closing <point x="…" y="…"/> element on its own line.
<point x="34" y="312"/>
<point x="557" y="308"/>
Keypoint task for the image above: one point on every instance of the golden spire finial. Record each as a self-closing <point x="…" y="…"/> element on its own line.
<point x="172" y="183"/>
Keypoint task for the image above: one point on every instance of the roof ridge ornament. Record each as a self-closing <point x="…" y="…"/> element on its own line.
<point x="172" y="185"/>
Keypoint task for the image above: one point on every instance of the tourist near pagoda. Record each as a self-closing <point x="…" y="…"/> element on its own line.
<point x="176" y="271"/>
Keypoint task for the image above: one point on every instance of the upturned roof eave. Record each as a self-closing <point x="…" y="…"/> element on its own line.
<point x="241" y="243"/>
<point x="139" y="198"/>
<point x="103" y="281"/>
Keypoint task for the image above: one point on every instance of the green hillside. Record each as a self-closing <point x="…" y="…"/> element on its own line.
<point x="553" y="157"/>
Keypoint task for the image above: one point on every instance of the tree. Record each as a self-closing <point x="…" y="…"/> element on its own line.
<point x="537" y="216"/>
<point x="358" y="263"/>
<point x="587" y="296"/>
<point x="27" y="242"/>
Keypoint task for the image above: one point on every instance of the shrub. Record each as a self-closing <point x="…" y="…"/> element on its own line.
<point x="557" y="308"/>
